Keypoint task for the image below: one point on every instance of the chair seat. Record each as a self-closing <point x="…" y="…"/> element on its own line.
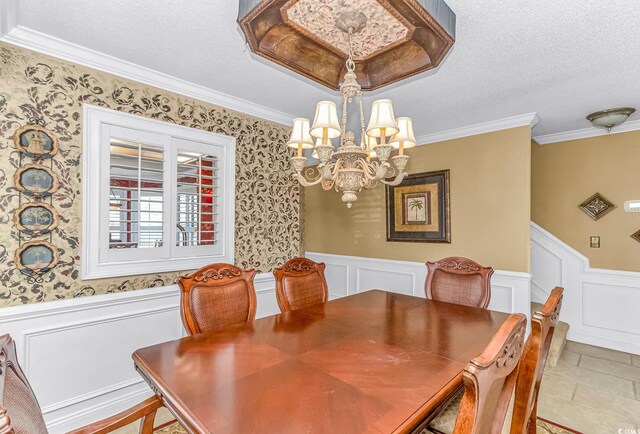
<point x="446" y="419"/>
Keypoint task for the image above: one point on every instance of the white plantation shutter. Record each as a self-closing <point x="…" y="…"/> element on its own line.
<point x="198" y="198"/>
<point x="138" y="215"/>
<point x="157" y="197"/>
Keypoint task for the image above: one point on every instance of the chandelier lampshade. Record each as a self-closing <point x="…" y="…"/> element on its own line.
<point x="404" y="138"/>
<point x="325" y="123"/>
<point x="382" y="122"/>
<point x="300" y="137"/>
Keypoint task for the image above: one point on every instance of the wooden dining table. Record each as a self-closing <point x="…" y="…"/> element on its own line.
<point x="374" y="362"/>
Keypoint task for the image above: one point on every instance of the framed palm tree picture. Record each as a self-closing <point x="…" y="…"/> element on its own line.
<point x="418" y="208"/>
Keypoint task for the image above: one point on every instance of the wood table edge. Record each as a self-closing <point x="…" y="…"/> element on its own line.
<point x="186" y="419"/>
<point x="421" y="417"/>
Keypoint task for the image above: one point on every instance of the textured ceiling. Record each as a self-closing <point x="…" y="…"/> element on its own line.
<point x="562" y="59"/>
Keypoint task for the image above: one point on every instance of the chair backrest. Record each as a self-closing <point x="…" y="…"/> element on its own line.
<point x="489" y="380"/>
<point x="217" y="296"/>
<point x="534" y="359"/>
<point x="300" y="282"/>
<point x="20" y="412"/>
<point x="459" y="280"/>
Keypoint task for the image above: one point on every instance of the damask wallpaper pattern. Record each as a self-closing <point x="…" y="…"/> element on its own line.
<point x="37" y="89"/>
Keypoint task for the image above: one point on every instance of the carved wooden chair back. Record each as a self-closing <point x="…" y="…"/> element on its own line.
<point x="217" y="296"/>
<point x="19" y="409"/>
<point x="489" y="380"/>
<point x="300" y="282"/>
<point x="534" y="358"/>
<point x="459" y="280"/>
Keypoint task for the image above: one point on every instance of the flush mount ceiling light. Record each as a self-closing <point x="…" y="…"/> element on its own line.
<point x="610" y="118"/>
<point x="402" y="37"/>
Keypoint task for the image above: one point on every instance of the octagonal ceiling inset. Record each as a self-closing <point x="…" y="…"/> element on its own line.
<point x="402" y="37"/>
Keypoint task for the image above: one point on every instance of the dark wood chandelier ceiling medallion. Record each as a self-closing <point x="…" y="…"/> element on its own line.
<point x="401" y="38"/>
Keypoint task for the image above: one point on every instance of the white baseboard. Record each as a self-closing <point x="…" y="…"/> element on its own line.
<point x="347" y="275"/>
<point x="600" y="306"/>
<point x="76" y="353"/>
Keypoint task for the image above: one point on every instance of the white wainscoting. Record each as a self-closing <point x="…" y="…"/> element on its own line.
<point x="348" y="275"/>
<point x="600" y="306"/>
<point x="77" y="353"/>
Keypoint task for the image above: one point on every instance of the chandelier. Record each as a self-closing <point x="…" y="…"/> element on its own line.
<point x="352" y="166"/>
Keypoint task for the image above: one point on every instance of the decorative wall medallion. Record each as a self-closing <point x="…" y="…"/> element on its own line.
<point x="36" y="218"/>
<point x="35" y="141"/>
<point x="596" y="206"/>
<point x="36" y="180"/>
<point x="636" y="236"/>
<point x="36" y="258"/>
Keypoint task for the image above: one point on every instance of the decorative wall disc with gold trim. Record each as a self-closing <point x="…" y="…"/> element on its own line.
<point x="36" y="141"/>
<point x="36" y="218"/>
<point x="35" y="258"/>
<point x="36" y="180"/>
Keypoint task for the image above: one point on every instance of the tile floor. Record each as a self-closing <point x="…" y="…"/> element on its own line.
<point x="592" y="390"/>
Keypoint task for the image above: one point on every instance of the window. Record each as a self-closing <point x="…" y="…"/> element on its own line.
<point x="156" y="196"/>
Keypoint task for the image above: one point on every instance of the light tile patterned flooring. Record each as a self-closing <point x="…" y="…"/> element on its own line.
<point x="592" y="390"/>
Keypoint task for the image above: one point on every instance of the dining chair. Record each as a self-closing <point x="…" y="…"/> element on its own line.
<point x="217" y="296"/>
<point x="489" y="381"/>
<point x="459" y="280"/>
<point x="534" y="359"/>
<point x="530" y="370"/>
<point x="20" y="412"/>
<point x="300" y="282"/>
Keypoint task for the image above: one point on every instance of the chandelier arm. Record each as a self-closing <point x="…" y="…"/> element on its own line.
<point x="396" y="181"/>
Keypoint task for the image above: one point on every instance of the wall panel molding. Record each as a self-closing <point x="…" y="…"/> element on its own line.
<point x="510" y="289"/>
<point x="599" y="305"/>
<point x="63" y="344"/>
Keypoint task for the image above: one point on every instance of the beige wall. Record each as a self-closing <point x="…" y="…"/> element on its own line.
<point x="490" y="206"/>
<point x="565" y="174"/>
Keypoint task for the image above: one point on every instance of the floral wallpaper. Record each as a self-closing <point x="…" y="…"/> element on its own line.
<point x="37" y="89"/>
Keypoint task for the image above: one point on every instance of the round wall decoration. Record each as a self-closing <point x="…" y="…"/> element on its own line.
<point x="36" y="141"/>
<point x="36" y="218"/>
<point x="36" y="180"/>
<point x="35" y="258"/>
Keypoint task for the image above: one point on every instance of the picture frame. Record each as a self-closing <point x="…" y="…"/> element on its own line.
<point x="36" y="218"/>
<point x="35" y="258"/>
<point x="418" y="209"/>
<point x="36" y="180"/>
<point x="36" y="142"/>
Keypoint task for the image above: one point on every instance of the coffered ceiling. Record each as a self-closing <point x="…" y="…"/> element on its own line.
<point x="561" y="59"/>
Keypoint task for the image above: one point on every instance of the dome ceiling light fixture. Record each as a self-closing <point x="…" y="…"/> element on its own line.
<point x="402" y="37"/>
<point x="351" y="167"/>
<point x="610" y="118"/>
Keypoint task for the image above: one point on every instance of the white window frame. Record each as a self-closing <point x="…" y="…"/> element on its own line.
<point x="97" y="263"/>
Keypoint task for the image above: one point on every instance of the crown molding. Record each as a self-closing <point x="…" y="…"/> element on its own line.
<point x="585" y="133"/>
<point x="529" y="119"/>
<point x="49" y="45"/>
<point x="8" y="16"/>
